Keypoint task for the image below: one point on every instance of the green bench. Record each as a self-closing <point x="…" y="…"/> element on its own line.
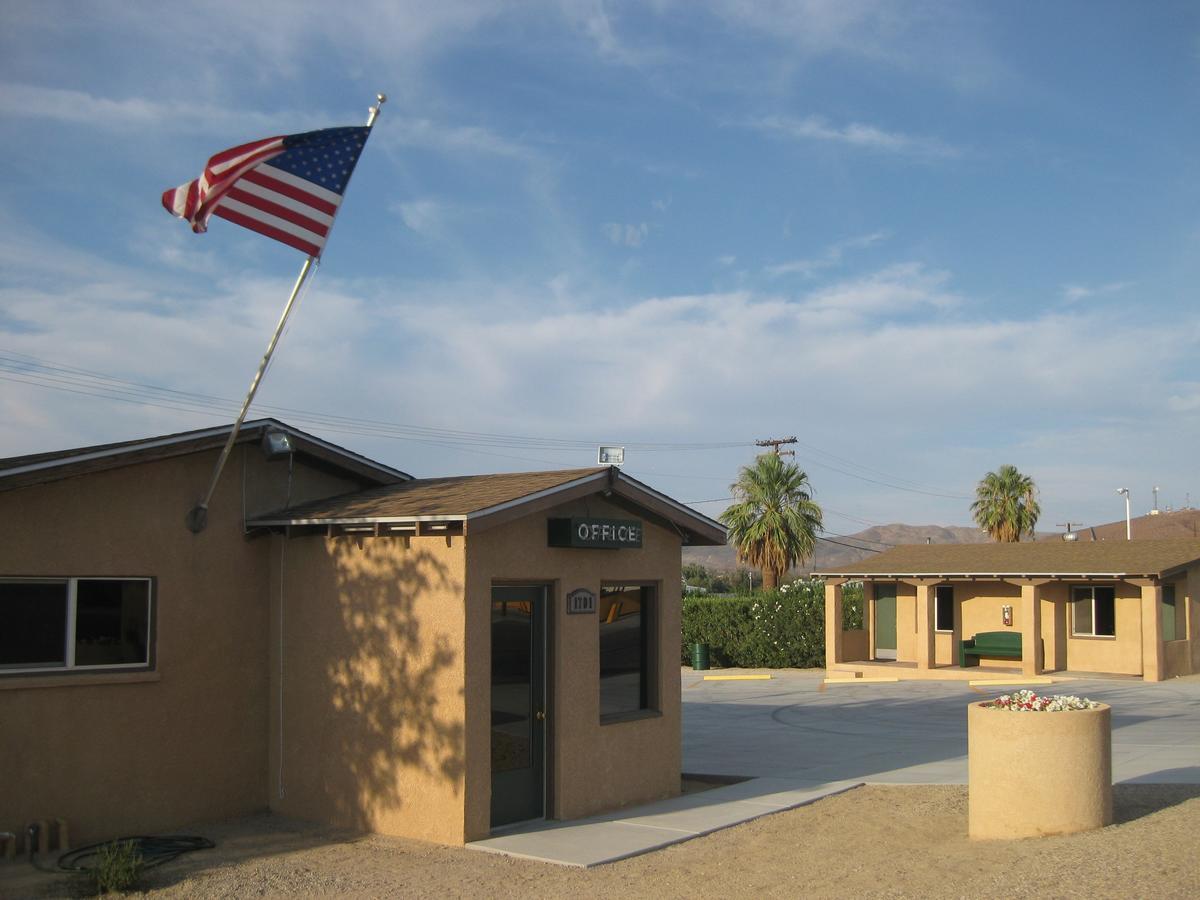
<point x="1005" y="644"/>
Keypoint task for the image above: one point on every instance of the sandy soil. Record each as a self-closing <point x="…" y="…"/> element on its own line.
<point x="875" y="841"/>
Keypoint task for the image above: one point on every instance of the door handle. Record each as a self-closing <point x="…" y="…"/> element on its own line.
<point x="540" y="715"/>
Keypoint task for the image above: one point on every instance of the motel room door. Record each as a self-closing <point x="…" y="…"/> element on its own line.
<point x="518" y="704"/>
<point x="885" y="621"/>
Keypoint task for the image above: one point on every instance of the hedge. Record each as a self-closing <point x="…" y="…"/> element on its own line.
<point x="771" y="629"/>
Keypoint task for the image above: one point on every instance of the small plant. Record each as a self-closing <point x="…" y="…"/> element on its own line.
<point x="1028" y="701"/>
<point x="118" y="866"/>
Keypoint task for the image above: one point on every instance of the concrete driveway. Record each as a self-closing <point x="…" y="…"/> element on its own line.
<point x="911" y="732"/>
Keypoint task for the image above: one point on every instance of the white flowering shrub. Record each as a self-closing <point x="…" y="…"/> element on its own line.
<point x="788" y="626"/>
<point x="772" y="629"/>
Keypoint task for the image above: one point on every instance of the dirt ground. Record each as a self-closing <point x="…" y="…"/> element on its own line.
<point x="874" y="841"/>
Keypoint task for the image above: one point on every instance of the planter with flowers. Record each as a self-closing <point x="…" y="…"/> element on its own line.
<point x="1038" y="765"/>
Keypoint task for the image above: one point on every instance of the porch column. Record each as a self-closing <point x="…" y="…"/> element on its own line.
<point x="926" y="651"/>
<point x="1191" y="602"/>
<point x="833" y="622"/>
<point x="1152" y="632"/>
<point x="1032" y="662"/>
<point x="1056" y="644"/>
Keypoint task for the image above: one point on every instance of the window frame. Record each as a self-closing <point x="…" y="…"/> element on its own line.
<point x="649" y="700"/>
<point x="1076" y="590"/>
<point x="937" y="600"/>
<point x="70" y="631"/>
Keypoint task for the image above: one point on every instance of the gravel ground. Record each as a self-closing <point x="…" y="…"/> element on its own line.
<point x="875" y="841"/>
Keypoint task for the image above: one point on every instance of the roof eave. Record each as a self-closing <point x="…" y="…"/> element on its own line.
<point x="1030" y="574"/>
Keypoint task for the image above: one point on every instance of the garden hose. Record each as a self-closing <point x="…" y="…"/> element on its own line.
<point x="154" y="851"/>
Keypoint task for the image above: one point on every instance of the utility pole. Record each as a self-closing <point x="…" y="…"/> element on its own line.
<point x="776" y="443"/>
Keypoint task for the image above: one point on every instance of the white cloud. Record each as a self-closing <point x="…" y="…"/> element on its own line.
<point x="1073" y="293"/>
<point x="1187" y="400"/>
<point x="427" y="217"/>
<point x="831" y="257"/>
<point x="407" y="131"/>
<point x="83" y="108"/>
<point x="856" y="134"/>
<point x="627" y="235"/>
<point x="946" y="42"/>
<point x="897" y="348"/>
<point x="896" y="289"/>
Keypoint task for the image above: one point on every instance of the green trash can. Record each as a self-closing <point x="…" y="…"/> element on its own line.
<point x="699" y="656"/>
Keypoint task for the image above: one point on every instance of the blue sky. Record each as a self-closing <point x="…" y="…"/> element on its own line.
<point x="926" y="239"/>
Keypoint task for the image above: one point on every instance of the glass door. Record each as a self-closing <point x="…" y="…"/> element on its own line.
<point x="518" y="703"/>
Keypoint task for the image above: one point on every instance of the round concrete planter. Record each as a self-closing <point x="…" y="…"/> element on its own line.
<point x="1038" y="773"/>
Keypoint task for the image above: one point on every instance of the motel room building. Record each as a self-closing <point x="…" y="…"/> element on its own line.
<point x="1114" y="607"/>
<point x="344" y="643"/>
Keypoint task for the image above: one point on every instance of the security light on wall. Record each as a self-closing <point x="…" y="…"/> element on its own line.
<point x="277" y="444"/>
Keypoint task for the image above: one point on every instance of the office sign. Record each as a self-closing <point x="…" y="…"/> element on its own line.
<point x="600" y="534"/>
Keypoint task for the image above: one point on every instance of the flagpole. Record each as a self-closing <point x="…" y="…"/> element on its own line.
<point x="197" y="517"/>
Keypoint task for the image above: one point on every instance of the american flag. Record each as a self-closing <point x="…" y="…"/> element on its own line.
<point x="288" y="188"/>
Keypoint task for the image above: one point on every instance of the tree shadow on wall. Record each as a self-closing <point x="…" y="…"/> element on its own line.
<point x="386" y="673"/>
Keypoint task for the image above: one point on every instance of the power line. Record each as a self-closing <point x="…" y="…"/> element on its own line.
<point x="31" y="370"/>
<point x="851" y="546"/>
<point x="25" y="369"/>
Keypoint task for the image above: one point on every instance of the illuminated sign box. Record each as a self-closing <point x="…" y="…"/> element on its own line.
<point x="588" y="533"/>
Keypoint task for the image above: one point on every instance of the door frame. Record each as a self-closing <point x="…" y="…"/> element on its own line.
<point x="549" y="590"/>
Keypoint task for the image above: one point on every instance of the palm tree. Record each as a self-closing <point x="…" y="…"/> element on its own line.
<point x="774" y="523"/>
<point x="1006" y="504"/>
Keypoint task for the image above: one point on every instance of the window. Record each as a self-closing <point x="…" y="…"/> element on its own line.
<point x="1171" y="625"/>
<point x="943" y="610"/>
<point x="626" y="617"/>
<point x="74" y="623"/>
<point x="1094" y="611"/>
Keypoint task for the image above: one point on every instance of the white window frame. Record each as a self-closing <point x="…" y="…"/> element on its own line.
<point x="1076" y="590"/>
<point x="69" y="636"/>
<point x="937" y="625"/>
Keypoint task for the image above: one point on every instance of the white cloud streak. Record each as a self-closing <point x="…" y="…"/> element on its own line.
<point x="857" y="135"/>
<point x="630" y="235"/>
<point x="832" y="256"/>
<point x="1073" y="293"/>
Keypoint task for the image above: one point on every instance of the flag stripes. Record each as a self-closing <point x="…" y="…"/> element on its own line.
<point x="286" y="188"/>
<point x="305" y="242"/>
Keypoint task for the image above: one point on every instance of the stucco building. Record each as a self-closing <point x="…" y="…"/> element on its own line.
<point x="345" y="643"/>
<point x="1117" y="607"/>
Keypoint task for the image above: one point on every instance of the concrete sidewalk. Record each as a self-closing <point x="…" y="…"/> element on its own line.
<point x="799" y="740"/>
<point x="607" y="838"/>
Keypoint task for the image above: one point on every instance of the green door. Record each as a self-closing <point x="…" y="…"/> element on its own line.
<point x="885" y="621"/>
<point x="518" y="704"/>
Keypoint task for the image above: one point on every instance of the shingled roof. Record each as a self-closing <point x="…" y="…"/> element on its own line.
<point x="479" y="501"/>
<point x="1042" y="558"/>
<point x="39" y="468"/>
<point x="424" y="498"/>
